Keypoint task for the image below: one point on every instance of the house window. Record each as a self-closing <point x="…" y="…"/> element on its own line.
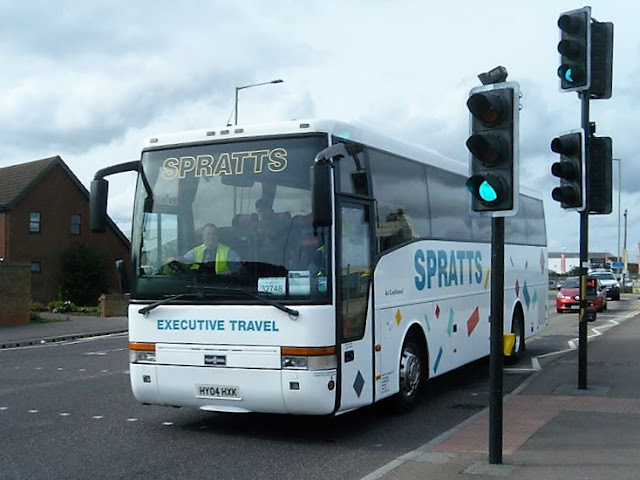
<point x="75" y="224"/>
<point x="36" y="267"/>
<point x="34" y="222"/>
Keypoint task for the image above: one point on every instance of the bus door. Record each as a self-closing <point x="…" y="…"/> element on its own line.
<point x="355" y="329"/>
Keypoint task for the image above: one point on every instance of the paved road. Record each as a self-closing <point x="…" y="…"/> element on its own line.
<point x="66" y="411"/>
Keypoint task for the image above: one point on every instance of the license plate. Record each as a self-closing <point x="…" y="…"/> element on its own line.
<point x="218" y="391"/>
<point x="575" y="307"/>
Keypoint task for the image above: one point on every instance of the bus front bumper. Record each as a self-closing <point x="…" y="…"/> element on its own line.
<point x="297" y="392"/>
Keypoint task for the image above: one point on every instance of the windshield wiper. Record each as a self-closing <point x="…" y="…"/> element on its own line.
<point x="148" y="308"/>
<point x="264" y="300"/>
<point x="201" y="294"/>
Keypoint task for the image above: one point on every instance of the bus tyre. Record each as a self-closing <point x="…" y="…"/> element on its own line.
<point x="412" y="370"/>
<point x="517" y="328"/>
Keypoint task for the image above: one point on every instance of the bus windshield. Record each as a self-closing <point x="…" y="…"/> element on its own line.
<point x="231" y="218"/>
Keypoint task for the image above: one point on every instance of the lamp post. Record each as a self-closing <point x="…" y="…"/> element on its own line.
<point x="619" y="160"/>
<point x="235" y="108"/>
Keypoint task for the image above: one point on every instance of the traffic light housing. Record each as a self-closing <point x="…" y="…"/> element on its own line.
<point x="601" y="60"/>
<point x="570" y="170"/>
<point x="575" y="50"/>
<point x="493" y="143"/>
<point x="600" y="179"/>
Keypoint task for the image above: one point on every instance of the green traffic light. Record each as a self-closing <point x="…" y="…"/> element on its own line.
<point x="567" y="73"/>
<point x="487" y="189"/>
<point x="487" y="192"/>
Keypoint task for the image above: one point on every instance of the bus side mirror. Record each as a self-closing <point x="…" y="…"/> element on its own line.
<point x="321" y="205"/>
<point x="100" y="192"/>
<point x="98" y="205"/>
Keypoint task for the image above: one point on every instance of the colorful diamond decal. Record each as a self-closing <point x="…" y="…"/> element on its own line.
<point x="437" y="360"/>
<point x="426" y="321"/>
<point x="486" y="278"/>
<point x="517" y="288"/>
<point x="398" y="317"/>
<point x="525" y="294"/>
<point x="450" y="325"/>
<point x="543" y="261"/>
<point x="473" y="321"/>
<point x="437" y="311"/>
<point x="534" y="300"/>
<point x="358" y="383"/>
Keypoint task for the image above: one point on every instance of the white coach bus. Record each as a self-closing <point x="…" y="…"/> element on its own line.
<point x="335" y="283"/>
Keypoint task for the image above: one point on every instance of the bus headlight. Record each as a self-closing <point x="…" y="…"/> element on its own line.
<point x="142" y="352"/>
<point x="309" y="358"/>
<point x="142" y="357"/>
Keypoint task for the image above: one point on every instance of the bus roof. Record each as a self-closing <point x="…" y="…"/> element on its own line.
<point x="352" y="131"/>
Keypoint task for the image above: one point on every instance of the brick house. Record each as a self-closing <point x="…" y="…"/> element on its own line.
<point x="44" y="210"/>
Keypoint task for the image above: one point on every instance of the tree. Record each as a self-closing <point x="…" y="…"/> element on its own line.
<point x="84" y="275"/>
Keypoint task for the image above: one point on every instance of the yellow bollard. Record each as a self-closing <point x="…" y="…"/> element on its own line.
<point x="508" y="342"/>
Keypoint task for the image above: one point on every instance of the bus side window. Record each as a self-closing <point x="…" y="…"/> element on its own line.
<point x="400" y="190"/>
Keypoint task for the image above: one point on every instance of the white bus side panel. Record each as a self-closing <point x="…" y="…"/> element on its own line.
<point x="444" y="287"/>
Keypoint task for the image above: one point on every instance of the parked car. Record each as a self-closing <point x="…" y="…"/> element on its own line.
<point x="568" y="298"/>
<point x="609" y="280"/>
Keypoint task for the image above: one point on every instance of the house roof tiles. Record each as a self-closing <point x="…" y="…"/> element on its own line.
<point x="16" y="179"/>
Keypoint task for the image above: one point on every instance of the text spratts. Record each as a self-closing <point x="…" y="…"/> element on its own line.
<point x="441" y="268"/>
<point x="227" y="163"/>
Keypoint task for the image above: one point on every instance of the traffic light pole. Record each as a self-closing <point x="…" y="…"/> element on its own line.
<point x="584" y="254"/>
<point x="496" y="361"/>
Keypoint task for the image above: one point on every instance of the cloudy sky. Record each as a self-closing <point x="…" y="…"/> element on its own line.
<point x="90" y="80"/>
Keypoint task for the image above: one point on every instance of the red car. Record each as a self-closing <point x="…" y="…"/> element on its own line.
<point x="568" y="298"/>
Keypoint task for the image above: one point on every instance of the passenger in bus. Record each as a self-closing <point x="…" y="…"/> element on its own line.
<point x="272" y="229"/>
<point x="211" y="250"/>
<point x="264" y="211"/>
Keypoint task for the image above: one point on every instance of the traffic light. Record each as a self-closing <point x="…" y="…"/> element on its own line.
<point x="575" y="50"/>
<point x="493" y="180"/>
<point x="601" y="60"/>
<point x="570" y="170"/>
<point x="600" y="180"/>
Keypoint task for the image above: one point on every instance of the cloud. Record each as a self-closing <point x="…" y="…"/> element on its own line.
<point x="89" y="81"/>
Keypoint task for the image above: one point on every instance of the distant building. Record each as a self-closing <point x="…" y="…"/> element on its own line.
<point x="44" y="210"/>
<point x="563" y="262"/>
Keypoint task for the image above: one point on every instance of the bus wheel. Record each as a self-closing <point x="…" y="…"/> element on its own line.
<point x="411" y="374"/>
<point x="517" y="328"/>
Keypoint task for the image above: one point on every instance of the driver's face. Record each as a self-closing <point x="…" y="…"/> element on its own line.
<point x="210" y="236"/>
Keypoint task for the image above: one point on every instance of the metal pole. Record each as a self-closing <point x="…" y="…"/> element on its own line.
<point x="496" y="341"/>
<point x="249" y="86"/>
<point x="584" y="254"/>
<point x="619" y="203"/>
<point x="624" y="251"/>
<point x="235" y="108"/>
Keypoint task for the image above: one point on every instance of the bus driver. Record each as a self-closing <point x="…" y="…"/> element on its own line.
<point x="211" y="250"/>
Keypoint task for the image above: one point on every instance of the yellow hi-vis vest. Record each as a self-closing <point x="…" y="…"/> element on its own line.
<point x="222" y="252"/>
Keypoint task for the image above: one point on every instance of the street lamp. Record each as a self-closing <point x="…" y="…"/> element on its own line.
<point x="235" y="108"/>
